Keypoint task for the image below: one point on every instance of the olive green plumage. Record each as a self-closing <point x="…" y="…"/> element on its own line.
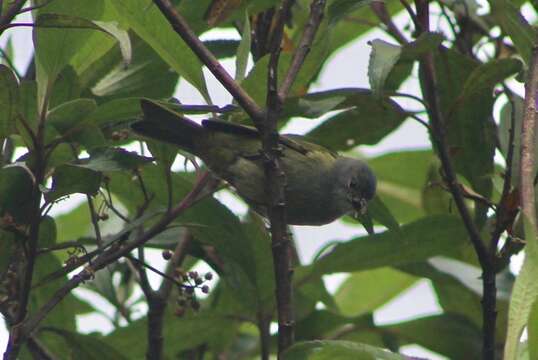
<point x="321" y="185"/>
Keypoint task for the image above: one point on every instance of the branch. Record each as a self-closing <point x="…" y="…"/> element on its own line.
<point x="10" y="14"/>
<point x="181" y="27"/>
<point x="528" y="138"/>
<point x="317" y="8"/>
<point x="114" y="254"/>
<point x="505" y="216"/>
<point x="486" y="260"/>
<point x="275" y="180"/>
<point x="264" y="323"/>
<point x="95" y="222"/>
<point x="411" y="13"/>
<point x="380" y="10"/>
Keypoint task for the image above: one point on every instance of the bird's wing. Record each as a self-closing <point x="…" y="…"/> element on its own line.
<point x="293" y="142"/>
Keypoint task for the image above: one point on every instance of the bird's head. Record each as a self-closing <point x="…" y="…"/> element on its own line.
<point x="356" y="183"/>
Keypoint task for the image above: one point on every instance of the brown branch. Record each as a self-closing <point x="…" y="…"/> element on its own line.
<point x="181" y="27"/>
<point x="485" y="258"/>
<point x="95" y="222"/>
<point x="411" y="13"/>
<point x="528" y="138"/>
<point x="264" y="323"/>
<point x="275" y="181"/>
<point x="10" y="14"/>
<point x="503" y="216"/>
<point x="380" y="10"/>
<point x="114" y="254"/>
<point x="317" y="8"/>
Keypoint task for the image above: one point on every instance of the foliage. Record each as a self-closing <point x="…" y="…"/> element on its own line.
<point x="65" y="130"/>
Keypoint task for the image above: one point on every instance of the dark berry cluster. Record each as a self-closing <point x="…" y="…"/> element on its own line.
<point x="188" y="283"/>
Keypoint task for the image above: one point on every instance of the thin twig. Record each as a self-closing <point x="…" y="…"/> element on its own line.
<point x="382" y="14"/>
<point x="181" y="27"/>
<point x="95" y="222"/>
<point x="180" y="252"/>
<point x="411" y="13"/>
<point x="139" y="266"/>
<point x="317" y="8"/>
<point x="11" y="12"/>
<point x="113" y="254"/>
<point x="264" y="323"/>
<point x="61" y="246"/>
<point x="30" y="8"/>
<point x="503" y="219"/>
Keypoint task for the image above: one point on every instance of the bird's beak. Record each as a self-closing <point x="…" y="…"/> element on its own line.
<point x="360" y="205"/>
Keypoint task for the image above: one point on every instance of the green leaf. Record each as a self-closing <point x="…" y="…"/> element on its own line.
<point x="8" y="245"/>
<point x="515" y="26"/>
<point x="337" y="349"/>
<point x="452" y="295"/>
<point x="55" y="47"/>
<point x="381" y="213"/>
<point x="524" y="294"/>
<point x="366" y="121"/>
<point x="73" y="224"/>
<point x="487" y="75"/>
<point x="382" y="59"/>
<point x="400" y="179"/>
<point x="69" y="120"/>
<point x="316" y="104"/>
<point x="256" y="81"/>
<point x="63" y="314"/>
<point x="115" y="111"/>
<point x="16" y="187"/>
<point x="114" y="159"/>
<point x="70" y="179"/>
<point x="103" y="285"/>
<point x="180" y="333"/>
<point x="87" y="347"/>
<point x="69" y="117"/>
<point x="419" y="240"/>
<point x="468" y="109"/>
<point x="532" y="328"/>
<point x="365" y="291"/>
<point x="147" y="76"/>
<point x="222" y="48"/>
<point x="9" y="101"/>
<point x="27" y="109"/>
<point x="450" y="335"/>
<point x="73" y="22"/>
<point x="395" y="62"/>
<point x="338" y="9"/>
<point x="260" y="245"/>
<point x="243" y="51"/>
<point x="435" y="198"/>
<point x="66" y="88"/>
<point x="149" y="23"/>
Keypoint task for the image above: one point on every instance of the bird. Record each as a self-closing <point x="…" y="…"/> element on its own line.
<point x="321" y="185"/>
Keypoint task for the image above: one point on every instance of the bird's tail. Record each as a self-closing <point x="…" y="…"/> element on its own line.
<point x="161" y="123"/>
